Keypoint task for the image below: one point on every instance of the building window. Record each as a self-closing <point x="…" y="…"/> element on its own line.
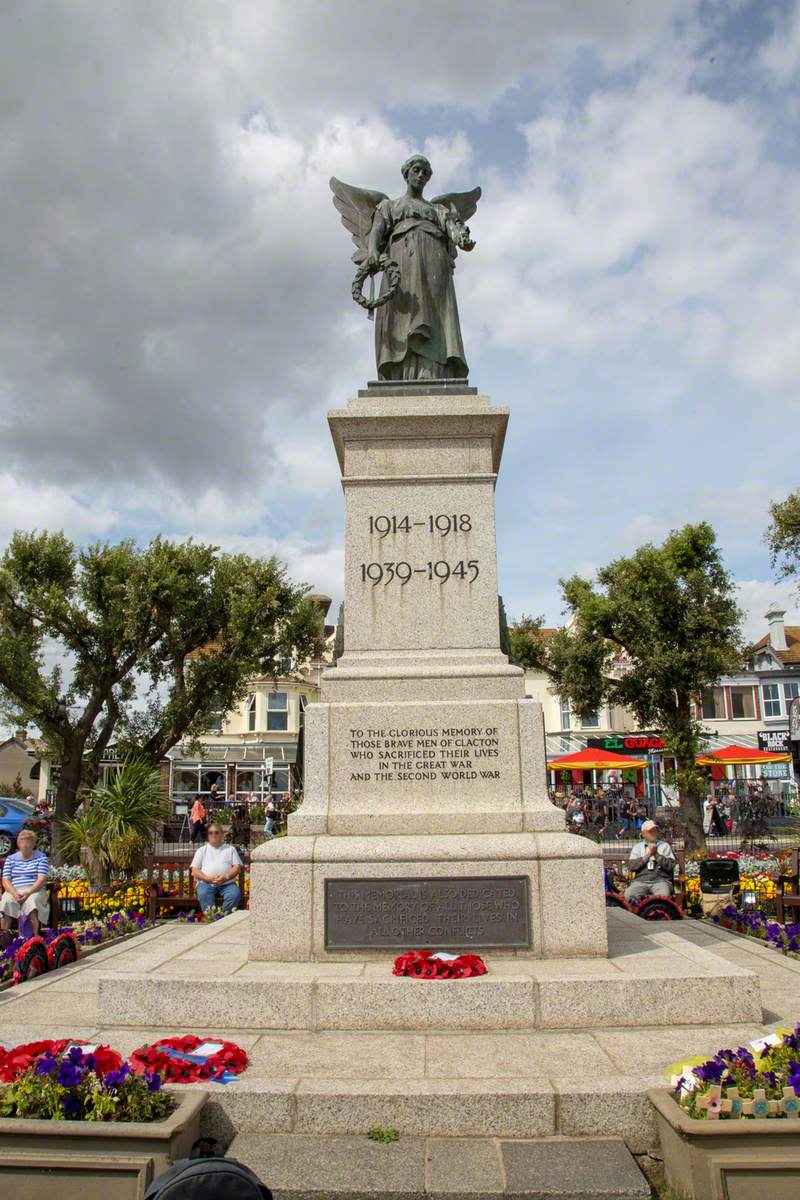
<point x="277" y="711"/>
<point x="791" y="691"/>
<point x="772" y="699"/>
<point x="592" y="722"/>
<point x="216" y="715"/>
<point x="195" y="779"/>
<point x="251" y="714"/>
<point x="280" y="778"/>
<point x="742" y="704"/>
<point x="713" y="704"/>
<point x="565" y="714"/>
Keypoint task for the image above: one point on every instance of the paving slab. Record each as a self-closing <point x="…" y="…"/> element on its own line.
<point x="297" y="1167"/>
<point x="464" y="1167"/>
<point x="339" y="1168"/>
<point x="572" y="1170"/>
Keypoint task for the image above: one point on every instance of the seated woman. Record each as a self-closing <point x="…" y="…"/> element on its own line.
<point x="215" y="867"/>
<point x="25" y="884"/>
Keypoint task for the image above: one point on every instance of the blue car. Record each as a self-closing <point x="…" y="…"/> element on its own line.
<point x="13" y="815"/>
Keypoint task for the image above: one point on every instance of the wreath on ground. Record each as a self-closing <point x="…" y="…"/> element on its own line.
<point x="177" y="1061"/>
<point x="427" y="964"/>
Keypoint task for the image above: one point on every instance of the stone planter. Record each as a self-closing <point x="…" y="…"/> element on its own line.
<point x="745" y="1159"/>
<point x="89" y="1160"/>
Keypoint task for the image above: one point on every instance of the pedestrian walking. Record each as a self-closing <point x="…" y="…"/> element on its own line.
<point x="198" y="819"/>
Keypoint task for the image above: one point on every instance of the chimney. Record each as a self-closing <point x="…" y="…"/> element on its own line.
<point x="777" y="634"/>
<point x="21" y="734"/>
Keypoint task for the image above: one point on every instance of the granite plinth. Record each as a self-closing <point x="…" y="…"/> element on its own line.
<point x="287" y="918"/>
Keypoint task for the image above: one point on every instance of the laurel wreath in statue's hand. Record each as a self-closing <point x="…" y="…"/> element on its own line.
<point x="365" y="271"/>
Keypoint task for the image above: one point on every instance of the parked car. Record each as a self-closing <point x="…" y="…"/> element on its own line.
<point x="14" y="814"/>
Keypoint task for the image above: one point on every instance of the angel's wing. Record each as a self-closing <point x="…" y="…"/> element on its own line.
<point x="357" y="207"/>
<point x="465" y="203"/>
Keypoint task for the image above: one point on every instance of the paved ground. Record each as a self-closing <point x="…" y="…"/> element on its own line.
<point x="511" y="1083"/>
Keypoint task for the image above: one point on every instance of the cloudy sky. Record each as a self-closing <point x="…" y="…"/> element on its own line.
<point x="176" y="315"/>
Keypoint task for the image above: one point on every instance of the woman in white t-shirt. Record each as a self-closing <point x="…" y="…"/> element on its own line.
<point x="215" y="867"/>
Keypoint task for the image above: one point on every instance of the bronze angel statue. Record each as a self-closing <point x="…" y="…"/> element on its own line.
<point x="414" y="242"/>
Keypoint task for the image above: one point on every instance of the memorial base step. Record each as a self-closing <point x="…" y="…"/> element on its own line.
<point x="299" y="1167"/>
<point x="653" y="990"/>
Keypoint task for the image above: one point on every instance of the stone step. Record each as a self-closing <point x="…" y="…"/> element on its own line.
<point x="310" y="1166"/>
<point x="666" y="990"/>
<point x="533" y="1107"/>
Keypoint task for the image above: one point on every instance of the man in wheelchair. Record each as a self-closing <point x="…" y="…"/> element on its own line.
<point x="25" y="884"/>
<point x="652" y="864"/>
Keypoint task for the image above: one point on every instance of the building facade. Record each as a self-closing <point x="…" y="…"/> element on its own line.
<point x="750" y="708"/>
<point x="253" y="753"/>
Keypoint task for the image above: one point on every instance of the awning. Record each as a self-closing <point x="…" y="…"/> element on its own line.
<point x="596" y="760"/>
<point x="740" y="756"/>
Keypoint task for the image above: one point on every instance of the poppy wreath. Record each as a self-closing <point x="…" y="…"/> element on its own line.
<point x="31" y="960"/>
<point x="63" y="950"/>
<point x="230" y="1058"/>
<point x="420" y="964"/>
<point x="14" y="1063"/>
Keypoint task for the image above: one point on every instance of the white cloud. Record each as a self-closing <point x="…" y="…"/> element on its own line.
<point x="755" y="597"/>
<point x="653" y="210"/>
<point x="30" y="504"/>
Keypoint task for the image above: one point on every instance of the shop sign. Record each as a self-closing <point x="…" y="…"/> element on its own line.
<point x="627" y="743"/>
<point x="774" y="740"/>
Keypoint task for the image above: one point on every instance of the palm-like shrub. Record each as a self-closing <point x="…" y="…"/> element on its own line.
<point x="114" y="831"/>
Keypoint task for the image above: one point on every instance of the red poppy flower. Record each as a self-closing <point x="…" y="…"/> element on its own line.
<point x="15" y="1062"/>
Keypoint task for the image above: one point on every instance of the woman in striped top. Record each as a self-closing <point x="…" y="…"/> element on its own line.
<point x="25" y="883"/>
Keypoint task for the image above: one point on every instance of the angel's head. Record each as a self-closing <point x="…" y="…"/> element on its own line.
<point x="416" y="171"/>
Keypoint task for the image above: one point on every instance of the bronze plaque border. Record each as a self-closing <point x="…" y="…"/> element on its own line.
<point x="451" y="944"/>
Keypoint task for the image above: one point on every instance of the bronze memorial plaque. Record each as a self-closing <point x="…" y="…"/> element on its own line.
<point x="455" y="913"/>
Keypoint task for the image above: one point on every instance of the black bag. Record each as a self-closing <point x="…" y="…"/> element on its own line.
<point x="207" y="1176"/>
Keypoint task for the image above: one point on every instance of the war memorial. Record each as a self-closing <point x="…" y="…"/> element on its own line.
<point x="426" y="823"/>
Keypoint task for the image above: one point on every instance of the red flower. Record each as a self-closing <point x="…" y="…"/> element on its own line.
<point x="106" y="1060"/>
<point x="14" y="1063"/>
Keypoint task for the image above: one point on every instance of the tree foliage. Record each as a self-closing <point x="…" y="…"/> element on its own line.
<point x="652" y="632"/>
<point x="528" y="644"/>
<point x="115" y="827"/>
<point x="783" y="536"/>
<point x="144" y="641"/>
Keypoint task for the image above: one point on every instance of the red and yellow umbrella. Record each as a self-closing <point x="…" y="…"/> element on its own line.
<point x="595" y="760"/>
<point x="741" y="756"/>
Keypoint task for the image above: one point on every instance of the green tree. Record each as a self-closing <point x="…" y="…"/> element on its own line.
<point x="145" y="642"/>
<point x="114" y="830"/>
<point x="653" y="632"/>
<point x="527" y="643"/>
<point x="783" y="536"/>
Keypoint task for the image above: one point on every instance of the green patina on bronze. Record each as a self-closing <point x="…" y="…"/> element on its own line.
<point x="417" y="330"/>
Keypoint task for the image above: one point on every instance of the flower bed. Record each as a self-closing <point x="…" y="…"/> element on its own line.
<point x="124" y="898"/>
<point x="730" y="1126"/>
<point x="759" y="1080"/>
<point x="785" y="938"/>
<point x="60" y="1081"/>
<point x="86" y="933"/>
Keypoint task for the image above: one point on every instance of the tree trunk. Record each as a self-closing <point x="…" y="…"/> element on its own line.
<point x="693" y="836"/>
<point x="66" y="797"/>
